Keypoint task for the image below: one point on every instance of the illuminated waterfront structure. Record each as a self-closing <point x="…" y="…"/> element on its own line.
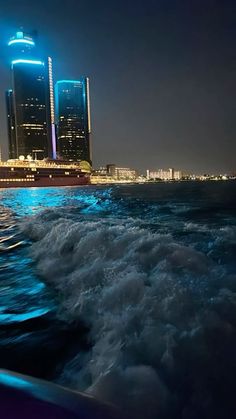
<point x="30" y="102"/>
<point x="73" y="119"/>
<point x="121" y="173"/>
<point x="170" y="174"/>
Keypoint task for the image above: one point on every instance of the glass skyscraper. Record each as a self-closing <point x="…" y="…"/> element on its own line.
<point x="30" y="103"/>
<point x="11" y="124"/>
<point x="73" y="119"/>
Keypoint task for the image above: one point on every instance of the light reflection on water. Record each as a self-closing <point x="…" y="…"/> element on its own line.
<point x="22" y="294"/>
<point x="174" y="243"/>
<point x="28" y="201"/>
<point x="166" y="209"/>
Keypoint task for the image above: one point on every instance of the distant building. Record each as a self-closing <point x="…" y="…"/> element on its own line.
<point x="121" y="173"/>
<point x="102" y="171"/>
<point x="30" y="108"/>
<point x="73" y="119"/>
<point x="178" y="175"/>
<point x="169" y="174"/>
<point x="111" y="170"/>
<point x="125" y="173"/>
<point x="113" y="174"/>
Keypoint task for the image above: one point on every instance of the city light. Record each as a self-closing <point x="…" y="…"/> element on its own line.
<point x="54" y="145"/>
<point x="54" y="142"/>
<point x="51" y="90"/>
<point x="21" y="61"/>
<point x="69" y="81"/>
<point x="88" y="105"/>
<point x="73" y="121"/>
<point x="21" y="41"/>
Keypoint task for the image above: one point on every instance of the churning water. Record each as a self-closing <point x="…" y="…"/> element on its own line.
<point x="126" y="292"/>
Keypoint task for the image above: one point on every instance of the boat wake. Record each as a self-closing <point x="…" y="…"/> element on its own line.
<point x="160" y="310"/>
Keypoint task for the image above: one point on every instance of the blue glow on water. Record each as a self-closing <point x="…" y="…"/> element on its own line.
<point x="23" y="296"/>
<point x="109" y="242"/>
<point x="9" y="318"/>
<point x="29" y="201"/>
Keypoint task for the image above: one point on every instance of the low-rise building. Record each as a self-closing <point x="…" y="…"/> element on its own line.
<point x="113" y="174"/>
<point x="121" y="173"/>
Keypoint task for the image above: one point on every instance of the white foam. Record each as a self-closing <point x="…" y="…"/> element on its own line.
<point x="153" y="306"/>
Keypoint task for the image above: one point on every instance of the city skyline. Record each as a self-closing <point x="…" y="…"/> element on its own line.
<point x="162" y="77"/>
<point x="42" y="124"/>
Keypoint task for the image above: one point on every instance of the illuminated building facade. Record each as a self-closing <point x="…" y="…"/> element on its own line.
<point x="126" y="173"/>
<point x="111" y="170"/>
<point x="121" y="173"/>
<point x="11" y="124"/>
<point x="73" y="119"/>
<point x="30" y="103"/>
<point x="170" y="174"/>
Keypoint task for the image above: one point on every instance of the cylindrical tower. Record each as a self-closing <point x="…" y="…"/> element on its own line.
<point x="22" y="45"/>
<point x="29" y="104"/>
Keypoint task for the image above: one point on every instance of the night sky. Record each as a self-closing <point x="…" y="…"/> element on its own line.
<point x="162" y="75"/>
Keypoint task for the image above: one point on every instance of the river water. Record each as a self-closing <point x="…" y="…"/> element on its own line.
<point x="126" y="292"/>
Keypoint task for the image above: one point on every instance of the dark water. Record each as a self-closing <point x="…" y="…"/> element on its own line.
<point x="126" y="292"/>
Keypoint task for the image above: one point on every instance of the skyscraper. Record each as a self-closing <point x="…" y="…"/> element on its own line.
<point x="30" y="107"/>
<point x="11" y="124"/>
<point x="73" y="119"/>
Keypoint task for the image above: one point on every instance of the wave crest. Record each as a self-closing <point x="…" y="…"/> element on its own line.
<point x="156" y="309"/>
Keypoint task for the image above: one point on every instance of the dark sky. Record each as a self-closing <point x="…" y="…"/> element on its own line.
<point x="162" y="75"/>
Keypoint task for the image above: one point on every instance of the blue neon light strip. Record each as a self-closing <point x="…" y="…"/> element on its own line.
<point x="69" y="81"/>
<point x="27" y="62"/>
<point x="21" y="41"/>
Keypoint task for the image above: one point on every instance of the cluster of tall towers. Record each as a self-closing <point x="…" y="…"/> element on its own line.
<point x="42" y="124"/>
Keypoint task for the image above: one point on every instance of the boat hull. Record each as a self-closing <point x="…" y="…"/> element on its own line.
<point x="42" y="183"/>
<point x="41" y="174"/>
